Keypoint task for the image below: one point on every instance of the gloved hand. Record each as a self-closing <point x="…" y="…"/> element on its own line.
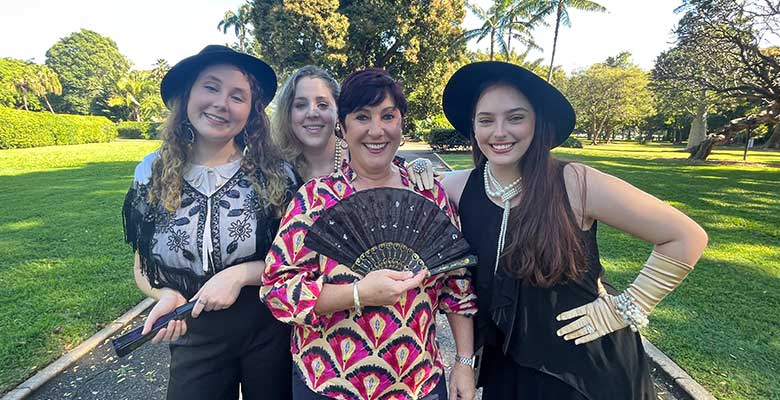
<point x="656" y="280"/>
<point x="597" y="319"/>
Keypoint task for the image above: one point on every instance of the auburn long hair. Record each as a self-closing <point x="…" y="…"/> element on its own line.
<point x="175" y="151"/>
<point x="543" y="244"/>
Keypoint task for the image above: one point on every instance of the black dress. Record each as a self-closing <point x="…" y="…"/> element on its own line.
<point x="523" y="357"/>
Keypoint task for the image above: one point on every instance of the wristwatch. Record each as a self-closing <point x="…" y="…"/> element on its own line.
<point x="467" y="361"/>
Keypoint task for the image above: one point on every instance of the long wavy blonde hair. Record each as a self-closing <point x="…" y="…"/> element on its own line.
<point x="281" y="121"/>
<point x="176" y="150"/>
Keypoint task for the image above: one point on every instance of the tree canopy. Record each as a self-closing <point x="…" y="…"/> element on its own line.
<point x="719" y="50"/>
<point x="409" y="38"/>
<point x="610" y="97"/>
<point x="86" y="64"/>
<point x="23" y="84"/>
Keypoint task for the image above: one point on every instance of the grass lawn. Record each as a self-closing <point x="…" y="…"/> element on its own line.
<point x="723" y="324"/>
<point x="64" y="268"/>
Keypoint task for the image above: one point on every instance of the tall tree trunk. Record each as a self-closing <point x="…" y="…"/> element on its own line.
<point x="24" y="98"/>
<point x="492" y="38"/>
<point x="698" y="125"/>
<point x="555" y="39"/>
<point x="774" y="140"/>
<point x="48" y="104"/>
<point x="509" y="40"/>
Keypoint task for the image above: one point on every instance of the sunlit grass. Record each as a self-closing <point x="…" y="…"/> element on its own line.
<point x="64" y="269"/>
<point x="722" y="325"/>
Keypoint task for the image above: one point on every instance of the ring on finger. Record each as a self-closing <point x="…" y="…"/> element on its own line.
<point x="419" y="165"/>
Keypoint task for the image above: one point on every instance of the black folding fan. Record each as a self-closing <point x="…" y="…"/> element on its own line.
<point x="388" y="228"/>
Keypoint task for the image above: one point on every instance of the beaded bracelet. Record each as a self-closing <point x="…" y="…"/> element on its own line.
<point x="630" y="311"/>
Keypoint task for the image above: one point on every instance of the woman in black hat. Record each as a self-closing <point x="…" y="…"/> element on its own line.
<point x="200" y="215"/>
<point x="547" y="326"/>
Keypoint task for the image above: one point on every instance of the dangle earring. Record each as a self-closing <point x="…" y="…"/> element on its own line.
<point x="188" y="131"/>
<point x="245" y="138"/>
<point x="341" y="145"/>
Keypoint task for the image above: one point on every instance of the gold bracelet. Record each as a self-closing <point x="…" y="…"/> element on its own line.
<point x="356" y="299"/>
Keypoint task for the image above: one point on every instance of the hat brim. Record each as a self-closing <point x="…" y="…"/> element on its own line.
<point x="462" y="92"/>
<point x="184" y="72"/>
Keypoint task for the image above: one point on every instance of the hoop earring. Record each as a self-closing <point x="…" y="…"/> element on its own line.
<point x="188" y="132"/>
<point x="403" y="141"/>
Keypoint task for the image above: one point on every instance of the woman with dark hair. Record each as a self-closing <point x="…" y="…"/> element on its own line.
<point x="366" y="336"/>
<point x="200" y="216"/>
<point x="547" y="326"/>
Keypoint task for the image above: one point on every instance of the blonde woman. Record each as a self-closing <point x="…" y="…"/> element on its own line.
<point x="200" y="215"/>
<point x="304" y="123"/>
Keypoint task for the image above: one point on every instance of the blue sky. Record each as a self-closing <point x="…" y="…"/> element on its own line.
<point x="145" y="30"/>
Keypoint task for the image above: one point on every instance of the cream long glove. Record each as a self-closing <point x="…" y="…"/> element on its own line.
<point x="658" y="278"/>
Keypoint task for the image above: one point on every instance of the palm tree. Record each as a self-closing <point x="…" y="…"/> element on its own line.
<point x="499" y="21"/>
<point x="131" y="91"/>
<point x="521" y="18"/>
<point x="561" y="10"/>
<point x="39" y="80"/>
<point x="240" y="21"/>
<point x="46" y="82"/>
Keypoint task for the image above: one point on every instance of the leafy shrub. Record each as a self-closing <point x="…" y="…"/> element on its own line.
<point x="447" y="140"/>
<point x="572" y="142"/>
<point x="19" y="129"/>
<point x="139" y="130"/>
<point x="424" y="126"/>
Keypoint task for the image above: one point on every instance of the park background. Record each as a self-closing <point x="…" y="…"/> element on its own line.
<point x="693" y="121"/>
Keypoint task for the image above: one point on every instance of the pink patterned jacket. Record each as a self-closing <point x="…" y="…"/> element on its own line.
<point x="388" y="353"/>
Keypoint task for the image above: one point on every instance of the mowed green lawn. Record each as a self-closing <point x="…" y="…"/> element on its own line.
<point x="65" y="270"/>
<point x="723" y="324"/>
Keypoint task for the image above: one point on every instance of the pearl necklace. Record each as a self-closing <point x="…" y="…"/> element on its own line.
<point x="506" y="194"/>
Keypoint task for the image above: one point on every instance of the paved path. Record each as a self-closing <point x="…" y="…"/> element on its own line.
<point x="143" y="375"/>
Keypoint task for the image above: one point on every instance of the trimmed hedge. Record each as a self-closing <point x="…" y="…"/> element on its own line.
<point x="572" y="142"/>
<point x="139" y="130"/>
<point x="447" y="140"/>
<point x="20" y="129"/>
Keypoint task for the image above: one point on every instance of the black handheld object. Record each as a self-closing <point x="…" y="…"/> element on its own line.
<point x="132" y="340"/>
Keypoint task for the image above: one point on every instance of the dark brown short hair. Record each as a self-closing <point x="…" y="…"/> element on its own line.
<point x="369" y="87"/>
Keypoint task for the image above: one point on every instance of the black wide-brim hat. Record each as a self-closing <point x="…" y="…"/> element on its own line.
<point x="184" y="72"/>
<point x="463" y="90"/>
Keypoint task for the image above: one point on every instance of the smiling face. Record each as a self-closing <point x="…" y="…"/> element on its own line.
<point x="504" y="123"/>
<point x="313" y="112"/>
<point x="373" y="134"/>
<point x="219" y="104"/>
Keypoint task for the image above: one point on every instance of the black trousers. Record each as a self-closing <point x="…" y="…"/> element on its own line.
<point x="302" y="392"/>
<point x="243" y="345"/>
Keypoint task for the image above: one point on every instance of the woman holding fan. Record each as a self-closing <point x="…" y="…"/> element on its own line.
<point x="369" y="335"/>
